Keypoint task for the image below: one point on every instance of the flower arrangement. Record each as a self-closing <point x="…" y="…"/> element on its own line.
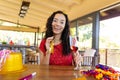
<point x="103" y="72"/>
<point x="3" y="55"/>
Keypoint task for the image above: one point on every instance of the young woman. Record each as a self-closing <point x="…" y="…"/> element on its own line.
<point x="55" y="47"/>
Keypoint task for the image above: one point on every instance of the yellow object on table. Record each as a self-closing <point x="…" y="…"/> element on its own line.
<point x="13" y="63"/>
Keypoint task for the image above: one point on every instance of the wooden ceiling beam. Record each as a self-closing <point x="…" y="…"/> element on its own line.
<point x="53" y="4"/>
<point x="9" y="5"/>
<point x="41" y="8"/>
<point x="8" y="16"/>
<point x="77" y="1"/>
<point x="40" y="19"/>
<point x="35" y="13"/>
<point x="18" y="29"/>
<point x="45" y="10"/>
<point x="9" y="12"/>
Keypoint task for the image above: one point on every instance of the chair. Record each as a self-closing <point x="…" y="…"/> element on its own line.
<point x="32" y="56"/>
<point x="88" y="57"/>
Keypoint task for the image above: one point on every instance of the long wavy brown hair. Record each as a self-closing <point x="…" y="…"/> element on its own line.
<point x="65" y="34"/>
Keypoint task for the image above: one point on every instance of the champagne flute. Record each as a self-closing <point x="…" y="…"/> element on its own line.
<point x="74" y="48"/>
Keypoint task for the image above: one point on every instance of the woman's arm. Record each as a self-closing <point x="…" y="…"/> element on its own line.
<point x="44" y="59"/>
<point x="45" y="51"/>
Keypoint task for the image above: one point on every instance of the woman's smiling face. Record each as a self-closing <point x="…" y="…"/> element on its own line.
<point x="58" y="23"/>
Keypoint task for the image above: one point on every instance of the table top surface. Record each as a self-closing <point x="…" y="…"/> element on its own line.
<point x="45" y="72"/>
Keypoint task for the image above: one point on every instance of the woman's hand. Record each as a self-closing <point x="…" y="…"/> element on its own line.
<point x="48" y="41"/>
<point x="78" y="59"/>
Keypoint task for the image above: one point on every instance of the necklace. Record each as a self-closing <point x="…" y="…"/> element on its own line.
<point x="57" y="42"/>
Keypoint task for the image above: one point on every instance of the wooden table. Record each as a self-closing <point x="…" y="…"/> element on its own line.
<point x="45" y="72"/>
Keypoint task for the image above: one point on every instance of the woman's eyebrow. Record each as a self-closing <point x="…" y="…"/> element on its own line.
<point x="54" y="18"/>
<point x="62" y="20"/>
<point x="57" y="19"/>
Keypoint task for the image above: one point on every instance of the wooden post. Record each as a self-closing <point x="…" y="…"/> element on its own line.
<point x="106" y="51"/>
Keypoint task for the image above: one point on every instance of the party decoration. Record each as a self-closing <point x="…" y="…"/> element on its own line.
<point x="51" y="50"/>
<point x="3" y="55"/>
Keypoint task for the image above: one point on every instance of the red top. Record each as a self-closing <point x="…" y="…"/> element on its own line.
<point x="57" y="58"/>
